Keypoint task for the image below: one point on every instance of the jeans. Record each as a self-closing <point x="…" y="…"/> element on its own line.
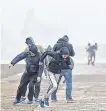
<point x="68" y="78"/>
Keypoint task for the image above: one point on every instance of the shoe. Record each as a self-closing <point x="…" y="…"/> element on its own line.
<point x="16" y="101"/>
<point x="36" y="100"/>
<point x="46" y="101"/>
<point x="70" y="100"/>
<point x="41" y="102"/>
<point x="29" y="102"/>
<point x="22" y="99"/>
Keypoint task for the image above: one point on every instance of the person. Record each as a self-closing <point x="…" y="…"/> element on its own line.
<point x="60" y="62"/>
<point x="89" y="51"/>
<point x="63" y="42"/>
<point x="29" y="41"/>
<point x="31" y="72"/>
<point x="94" y="48"/>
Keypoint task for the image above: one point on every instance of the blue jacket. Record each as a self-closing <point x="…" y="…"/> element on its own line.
<point x="32" y="62"/>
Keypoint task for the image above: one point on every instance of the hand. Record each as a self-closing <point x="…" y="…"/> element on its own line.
<point x="38" y="79"/>
<point x="10" y="65"/>
<point x="71" y="67"/>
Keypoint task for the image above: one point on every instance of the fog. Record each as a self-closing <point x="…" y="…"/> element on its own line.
<point x="47" y="20"/>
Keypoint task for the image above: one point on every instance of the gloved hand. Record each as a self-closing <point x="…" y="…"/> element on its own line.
<point x="71" y="67"/>
<point x="38" y="79"/>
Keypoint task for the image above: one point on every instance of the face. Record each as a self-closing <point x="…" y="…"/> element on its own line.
<point x="29" y="45"/>
<point x="65" y="56"/>
<point x="32" y="54"/>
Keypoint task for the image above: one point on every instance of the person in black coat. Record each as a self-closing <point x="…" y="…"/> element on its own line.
<point x="60" y="61"/>
<point x="31" y="72"/>
<point x="63" y="42"/>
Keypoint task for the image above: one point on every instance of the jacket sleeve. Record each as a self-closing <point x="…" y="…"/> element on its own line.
<point x="68" y="61"/>
<point x="72" y="52"/>
<point x="19" y="57"/>
<point x="50" y="53"/>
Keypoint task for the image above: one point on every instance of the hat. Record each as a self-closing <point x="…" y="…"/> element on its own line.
<point x="29" y="40"/>
<point x="65" y="38"/>
<point x="64" y="51"/>
<point x="33" y="49"/>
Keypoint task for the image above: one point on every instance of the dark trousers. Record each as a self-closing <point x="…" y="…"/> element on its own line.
<point x="26" y="79"/>
<point x="36" y="90"/>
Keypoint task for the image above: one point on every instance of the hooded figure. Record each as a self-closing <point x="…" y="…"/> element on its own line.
<point x="29" y="41"/>
<point x="60" y="61"/>
<point x="64" y="51"/>
<point x="65" y="38"/>
<point x="31" y="73"/>
<point x="63" y="42"/>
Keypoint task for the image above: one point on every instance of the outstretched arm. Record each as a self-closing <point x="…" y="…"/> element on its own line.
<point x="19" y="57"/>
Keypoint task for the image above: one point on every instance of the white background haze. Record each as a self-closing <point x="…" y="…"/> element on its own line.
<point x="47" y="20"/>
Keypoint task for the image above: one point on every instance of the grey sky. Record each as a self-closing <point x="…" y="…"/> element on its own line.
<point x="82" y="20"/>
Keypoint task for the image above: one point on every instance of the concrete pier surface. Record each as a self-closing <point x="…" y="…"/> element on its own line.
<point x="89" y="90"/>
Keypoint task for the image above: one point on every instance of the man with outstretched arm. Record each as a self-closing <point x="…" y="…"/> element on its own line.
<point x="31" y="72"/>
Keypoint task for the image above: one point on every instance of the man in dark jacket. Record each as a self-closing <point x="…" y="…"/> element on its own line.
<point x="60" y="61"/>
<point x="29" y="41"/>
<point x="31" y="72"/>
<point x="62" y="42"/>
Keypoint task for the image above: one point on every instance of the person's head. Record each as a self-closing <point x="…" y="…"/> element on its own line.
<point x="64" y="52"/>
<point x="29" y="41"/>
<point x="33" y="50"/>
<point x="89" y="44"/>
<point x="65" y="38"/>
<point x="96" y="44"/>
<point x="49" y="48"/>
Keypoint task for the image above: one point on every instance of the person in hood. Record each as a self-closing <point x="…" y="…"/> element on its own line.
<point x="29" y="41"/>
<point x="60" y="61"/>
<point x="63" y="42"/>
<point x="94" y="48"/>
<point x="31" y="72"/>
<point x="91" y="53"/>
